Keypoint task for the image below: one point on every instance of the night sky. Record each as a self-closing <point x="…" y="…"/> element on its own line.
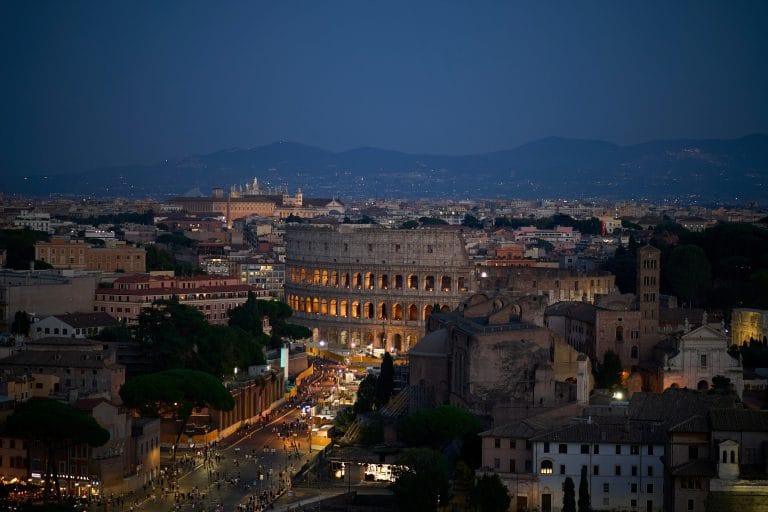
<point x="94" y="83"/>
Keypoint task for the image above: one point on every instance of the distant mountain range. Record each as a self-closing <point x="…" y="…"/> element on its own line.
<point x="729" y="171"/>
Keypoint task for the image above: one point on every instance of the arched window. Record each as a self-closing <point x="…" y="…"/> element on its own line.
<point x="345" y="280"/>
<point x="619" y="333"/>
<point x="429" y="283"/>
<point x="357" y="280"/>
<point x="546" y="467"/>
<point x="383" y="281"/>
<point x="334" y="278"/>
<point x="343" y="309"/>
<point x="398" y="282"/>
<point x="355" y="309"/>
<point x="316" y="278"/>
<point x="445" y="283"/>
<point x="324" y="278"/>
<point x="413" y="313"/>
<point x="368" y="310"/>
<point x="397" y="312"/>
<point x="427" y="311"/>
<point x="733" y="457"/>
<point x="333" y="309"/>
<point x="323" y="307"/>
<point x="633" y="354"/>
<point x="382" y="311"/>
<point x="315" y="305"/>
<point x="413" y="282"/>
<point x="725" y="456"/>
<point x="370" y="280"/>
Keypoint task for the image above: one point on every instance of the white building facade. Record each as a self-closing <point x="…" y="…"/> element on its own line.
<point x="701" y="355"/>
<point x="624" y="465"/>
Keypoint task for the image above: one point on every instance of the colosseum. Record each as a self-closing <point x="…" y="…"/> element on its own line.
<point x="369" y="286"/>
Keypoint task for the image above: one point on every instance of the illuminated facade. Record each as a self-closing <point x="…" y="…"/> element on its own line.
<point x="368" y="286"/>
<point x="748" y="324"/>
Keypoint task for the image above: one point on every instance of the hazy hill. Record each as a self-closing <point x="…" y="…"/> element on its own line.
<point x="708" y="170"/>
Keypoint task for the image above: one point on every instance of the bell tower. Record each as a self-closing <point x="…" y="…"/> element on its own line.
<point x="648" y="276"/>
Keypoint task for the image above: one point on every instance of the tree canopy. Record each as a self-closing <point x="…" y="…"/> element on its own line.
<point x="178" y="336"/>
<point x="56" y="425"/>
<point x="490" y="494"/>
<point x="175" y="393"/>
<point x="20" y="247"/>
<point x="608" y="373"/>
<point x="248" y="316"/>
<point x="422" y="480"/>
<point x="438" y="426"/>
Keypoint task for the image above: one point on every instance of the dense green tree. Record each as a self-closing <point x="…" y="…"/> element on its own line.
<point x="175" y="240"/>
<point x="431" y="221"/>
<point x="249" y="316"/>
<point x="490" y="494"/>
<point x="21" y="323"/>
<point x="722" y="385"/>
<point x="623" y="265"/>
<point x="421" y="480"/>
<point x="178" y="336"/>
<point x="385" y="384"/>
<point x="689" y="274"/>
<point x="438" y="426"/>
<point x="585" y="503"/>
<point x="56" y="426"/>
<point x="160" y="259"/>
<point x="569" y="495"/>
<point x="366" y="394"/>
<point x="175" y="393"/>
<point x="20" y="246"/>
<point x="608" y="373"/>
<point x="344" y="419"/>
<point x="409" y="224"/>
<point x="471" y="221"/>
<point x="298" y="220"/>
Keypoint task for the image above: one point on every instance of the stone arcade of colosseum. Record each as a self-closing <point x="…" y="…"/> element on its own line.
<point x="363" y="285"/>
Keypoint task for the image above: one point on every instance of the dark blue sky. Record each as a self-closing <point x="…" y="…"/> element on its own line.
<point x="93" y="83"/>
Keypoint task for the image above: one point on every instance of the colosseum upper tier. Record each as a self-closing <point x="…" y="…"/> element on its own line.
<point x="363" y="285"/>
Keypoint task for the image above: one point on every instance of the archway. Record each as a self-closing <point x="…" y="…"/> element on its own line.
<point x="702" y="385"/>
<point x="397" y="342"/>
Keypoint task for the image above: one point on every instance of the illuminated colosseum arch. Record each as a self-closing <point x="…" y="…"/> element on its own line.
<point x="368" y="310"/>
<point x="315" y="305"/>
<point x="333" y="308"/>
<point x="343" y="309"/>
<point x="413" y="282"/>
<point x="462" y="284"/>
<point x="370" y="280"/>
<point x="445" y="283"/>
<point x="413" y="313"/>
<point x="302" y="275"/>
<point x="397" y="312"/>
<point x="324" y="278"/>
<point x="334" y="279"/>
<point x="397" y="342"/>
<point x="368" y="338"/>
<point x="316" y="277"/>
<point x="323" y="307"/>
<point x="429" y="283"/>
<point x="398" y="282"/>
<point x="308" y="305"/>
<point x="383" y="281"/>
<point x="345" y="280"/>
<point x="445" y="308"/>
<point x="357" y="280"/>
<point x="381" y="312"/>
<point x="355" y="309"/>
<point x="427" y="311"/>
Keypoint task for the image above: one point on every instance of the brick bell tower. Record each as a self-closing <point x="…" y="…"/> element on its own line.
<point x="648" y="277"/>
